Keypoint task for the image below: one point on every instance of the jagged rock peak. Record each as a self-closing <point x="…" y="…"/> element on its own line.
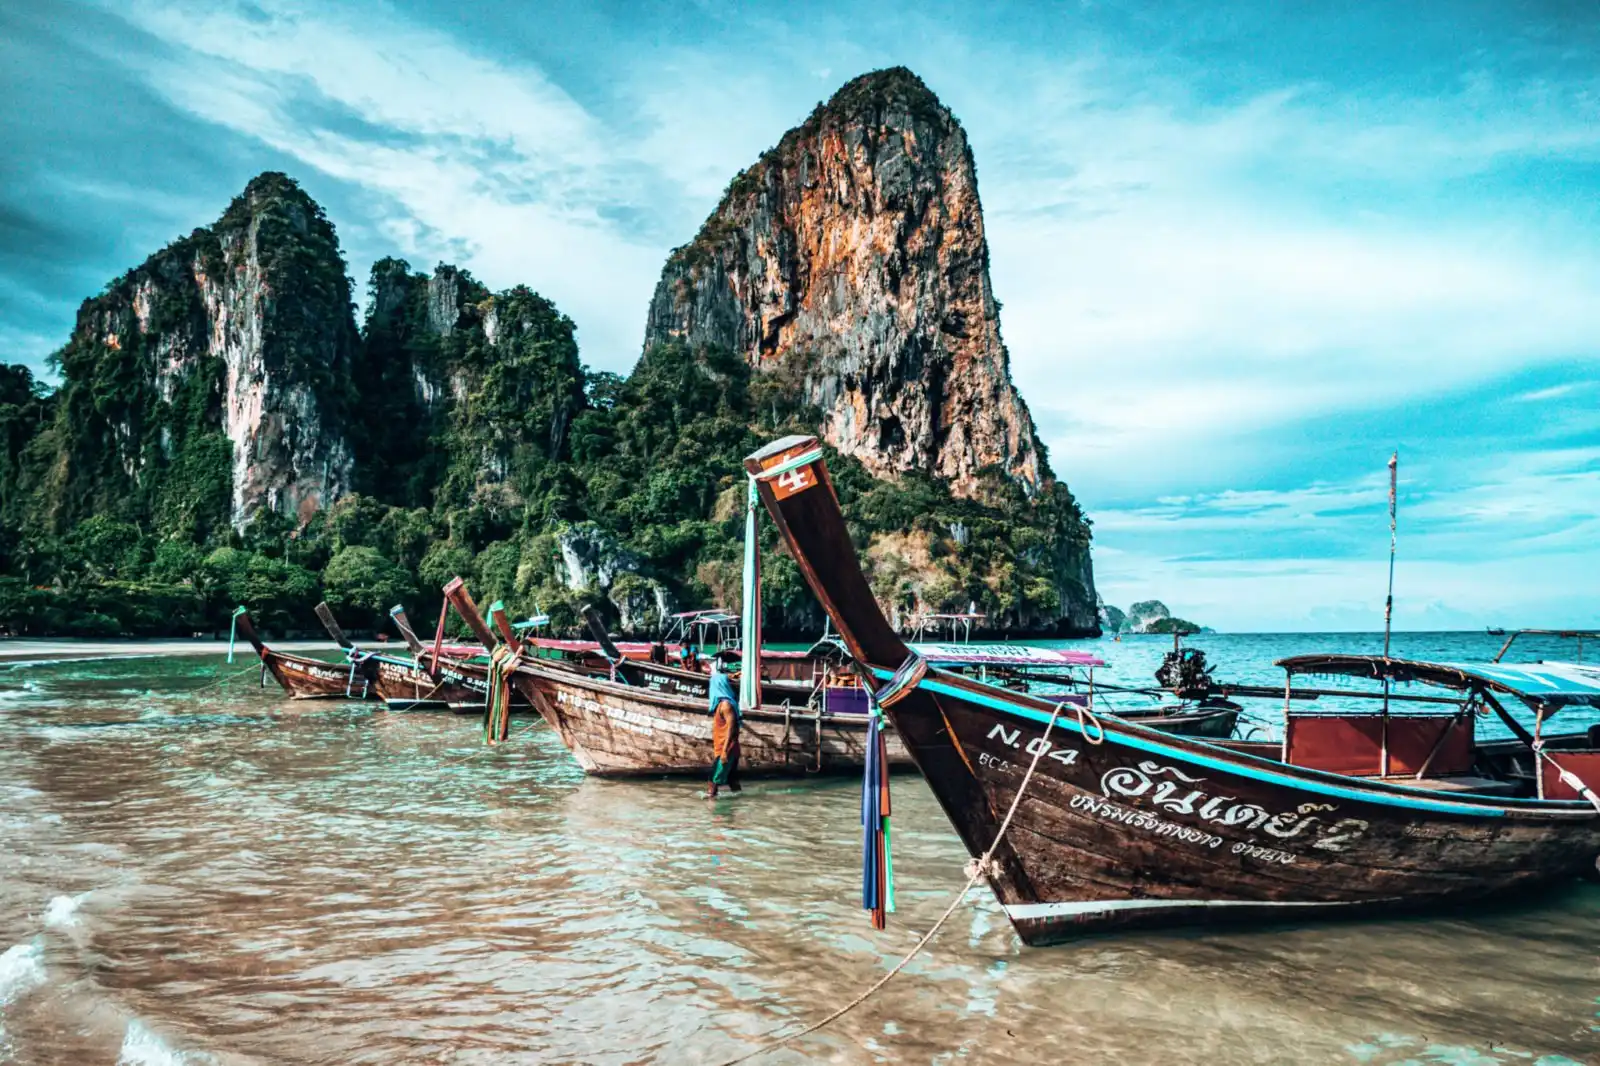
<point x="854" y="251"/>
<point x="234" y="341"/>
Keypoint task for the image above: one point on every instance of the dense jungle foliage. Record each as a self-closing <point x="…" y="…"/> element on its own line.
<point x="482" y="447"/>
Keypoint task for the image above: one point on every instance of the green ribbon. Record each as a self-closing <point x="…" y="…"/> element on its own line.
<point x="233" y="631"/>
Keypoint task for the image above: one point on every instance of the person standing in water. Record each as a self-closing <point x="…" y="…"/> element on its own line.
<point x="725" y="721"/>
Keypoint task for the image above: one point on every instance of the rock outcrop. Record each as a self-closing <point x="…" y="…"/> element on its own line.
<point x="465" y="388"/>
<point x="853" y="255"/>
<point x="1146" y="616"/>
<point x="241" y="332"/>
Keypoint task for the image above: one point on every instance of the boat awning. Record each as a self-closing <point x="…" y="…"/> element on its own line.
<point x="1552" y="685"/>
<point x="707" y="614"/>
<point x="947" y="655"/>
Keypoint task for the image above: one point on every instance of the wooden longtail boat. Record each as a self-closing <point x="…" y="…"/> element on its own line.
<point x="1121" y="825"/>
<point x="303" y="677"/>
<point x="402" y="684"/>
<point x="457" y="675"/>
<point x="659" y="723"/>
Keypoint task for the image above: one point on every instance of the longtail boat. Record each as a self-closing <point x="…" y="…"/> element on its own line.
<point x="659" y="723"/>
<point x="457" y="674"/>
<point x="406" y="684"/>
<point x="303" y="677"/>
<point x="1115" y="824"/>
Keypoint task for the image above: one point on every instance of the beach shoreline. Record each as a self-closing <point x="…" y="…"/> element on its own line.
<point x="15" y="650"/>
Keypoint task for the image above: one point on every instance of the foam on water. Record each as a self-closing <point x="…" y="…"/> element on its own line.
<point x="62" y="912"/>
<point x="21" y="971"/>
<point x="142" y="1047"/>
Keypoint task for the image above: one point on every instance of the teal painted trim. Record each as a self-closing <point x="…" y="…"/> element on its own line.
<point x="1419" y="799"/>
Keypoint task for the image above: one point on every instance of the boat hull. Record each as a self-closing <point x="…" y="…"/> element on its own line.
<point x="404" y="687"/>
<point x="1146" y="830"/>
<point x="614" y="730"/>
<point x="1121" y="825"/>
<point x="305" y="678"/>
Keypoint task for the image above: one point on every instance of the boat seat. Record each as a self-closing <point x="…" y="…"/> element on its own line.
<point x="1486" y="786"/>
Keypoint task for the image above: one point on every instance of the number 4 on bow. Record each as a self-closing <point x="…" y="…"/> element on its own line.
<point x="792" y="481"/>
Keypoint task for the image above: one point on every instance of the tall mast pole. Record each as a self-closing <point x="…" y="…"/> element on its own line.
<point x="1388" y="603"/>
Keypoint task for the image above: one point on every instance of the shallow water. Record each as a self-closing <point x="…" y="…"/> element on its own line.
<point x="217" y="875"/>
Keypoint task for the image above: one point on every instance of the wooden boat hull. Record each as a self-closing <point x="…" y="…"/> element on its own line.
<point x="1144" y="830"/>
<point x="1121" y="825"/>
<point x="301" y="676"/>
<point x="1210" y="724"/>
<point x="614" y="730"/>
<point x="404" y="687"/>
<point x="305" y="678"/>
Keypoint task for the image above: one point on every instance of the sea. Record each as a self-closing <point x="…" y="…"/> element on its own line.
<point x="194" y="869"/>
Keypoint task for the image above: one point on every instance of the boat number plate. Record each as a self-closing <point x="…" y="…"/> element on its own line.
<point x="790" y="482"/>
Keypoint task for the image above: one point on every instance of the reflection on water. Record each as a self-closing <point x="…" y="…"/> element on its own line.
<point x="223" y="876"/>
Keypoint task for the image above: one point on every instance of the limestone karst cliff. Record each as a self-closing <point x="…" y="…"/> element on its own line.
<point x="856" y="249"/>
<point x="211" y="380"/>
<point x="851" y="259"/>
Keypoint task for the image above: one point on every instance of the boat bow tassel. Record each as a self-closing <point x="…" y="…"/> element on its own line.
<point x="497" y="709"/>
<point x="908" y="677"/>
<point x="877" y="868"/>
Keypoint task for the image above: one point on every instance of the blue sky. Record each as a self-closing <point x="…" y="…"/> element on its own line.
<point x="1244" y="252"/>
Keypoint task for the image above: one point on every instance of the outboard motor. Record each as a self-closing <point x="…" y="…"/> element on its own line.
<point x="1184" y="672"/>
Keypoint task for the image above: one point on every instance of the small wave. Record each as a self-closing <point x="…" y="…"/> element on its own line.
<point x="21" y="970"/>
<point x="62" y="912"/>
<point x="142" y="1047"/>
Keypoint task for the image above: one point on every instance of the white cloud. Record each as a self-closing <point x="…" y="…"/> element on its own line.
<point x="496" y="167"/>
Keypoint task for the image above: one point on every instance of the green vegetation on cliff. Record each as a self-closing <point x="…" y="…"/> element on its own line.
<point x="478" y="445"/>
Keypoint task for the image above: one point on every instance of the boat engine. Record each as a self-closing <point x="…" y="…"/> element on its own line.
<point x="1184" y="673"/>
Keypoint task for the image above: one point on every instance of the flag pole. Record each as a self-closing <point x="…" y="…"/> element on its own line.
<point x="1388" y="603"/>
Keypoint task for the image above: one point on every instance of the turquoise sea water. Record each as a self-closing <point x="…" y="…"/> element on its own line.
<point x="196" y="870"/>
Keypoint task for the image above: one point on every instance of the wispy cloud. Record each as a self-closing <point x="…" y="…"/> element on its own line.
<point x="466" y="157"/>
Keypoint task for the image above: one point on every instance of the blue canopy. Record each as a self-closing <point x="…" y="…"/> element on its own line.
<point x="1548" y="686"/>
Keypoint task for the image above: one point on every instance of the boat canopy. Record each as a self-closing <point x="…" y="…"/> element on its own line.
<point x="947" y="655"/>
<point x="707" y="615"/>
<point x="1547" y="685"/>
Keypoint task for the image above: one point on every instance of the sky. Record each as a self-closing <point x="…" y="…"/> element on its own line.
<point x="1245" y="250"/>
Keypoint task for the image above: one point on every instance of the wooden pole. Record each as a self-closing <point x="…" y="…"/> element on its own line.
<point x="1388" y="603"/>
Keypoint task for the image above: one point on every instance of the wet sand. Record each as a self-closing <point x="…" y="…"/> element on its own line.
<point x="19" y="649"/>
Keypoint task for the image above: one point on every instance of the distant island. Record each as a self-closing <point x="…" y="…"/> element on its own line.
<point x="224" y="432"/>
<point x="1146" y="616"/>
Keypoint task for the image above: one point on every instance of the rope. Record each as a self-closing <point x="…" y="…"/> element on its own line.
<point x="1083" y="713"/>
<point x="1568" y="778"/>
<point x="982" y="867"/>
<point x="216" y="682"/>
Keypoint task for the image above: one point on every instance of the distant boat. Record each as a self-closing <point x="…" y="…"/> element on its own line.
<point x="1496" y="631"/>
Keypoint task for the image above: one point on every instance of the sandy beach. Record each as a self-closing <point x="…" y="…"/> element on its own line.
<point x="15" y="650"/>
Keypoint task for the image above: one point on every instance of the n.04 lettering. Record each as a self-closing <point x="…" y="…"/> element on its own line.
<point x="1036" y="746"/>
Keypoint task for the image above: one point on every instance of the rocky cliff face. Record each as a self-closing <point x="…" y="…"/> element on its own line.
<point x="465" y="389"/>
<point x="854" y="251"/>
<point x="219" y="367"/>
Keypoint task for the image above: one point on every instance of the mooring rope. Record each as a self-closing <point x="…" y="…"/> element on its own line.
<point x="217" y="682"/>
<point x="974" y="870"/>
<point x="1570" y="779"/>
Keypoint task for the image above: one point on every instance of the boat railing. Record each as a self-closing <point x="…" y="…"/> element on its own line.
<point x="1580" y="635"/>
